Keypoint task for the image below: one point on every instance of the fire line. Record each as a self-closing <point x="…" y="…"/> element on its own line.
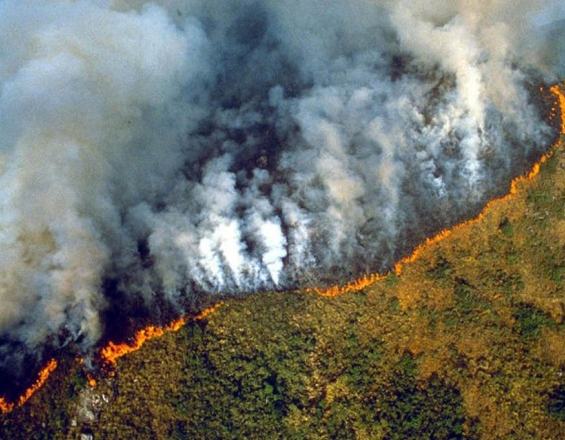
<point x="368" y="280"/>
<point x="42" y="377"/>
<point x="109" y="354"/>
<point x="113" y="351"/>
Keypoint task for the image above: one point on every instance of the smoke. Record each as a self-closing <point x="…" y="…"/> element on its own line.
<point x="180" y="149"/>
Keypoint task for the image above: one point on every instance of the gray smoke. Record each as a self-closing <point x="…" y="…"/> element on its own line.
<point x="189" y="148"/>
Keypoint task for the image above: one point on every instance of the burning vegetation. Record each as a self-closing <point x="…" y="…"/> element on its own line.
<point x="112" y="351"/>
<point x="42" y="377"/>
<point x="255" y="148"/>
<point x="108" y="354"/>
<point x="249" y="148"/>
<point x="466" y="343"/>
<point x="556" y="113"/>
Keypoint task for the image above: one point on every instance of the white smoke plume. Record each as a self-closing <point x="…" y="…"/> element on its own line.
<point x="202" y="147"/>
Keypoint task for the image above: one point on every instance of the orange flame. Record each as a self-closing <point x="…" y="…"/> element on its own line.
<point x="113" y="351"/>
<point x="110" y="354"/>
<point x="5" y="406"/>
<point x="42" y="377"/>
<point x="368" y="280"/>
<point x="90" y="380"/>
<point x="352" y="286"/>
<point x="559" y="94"/>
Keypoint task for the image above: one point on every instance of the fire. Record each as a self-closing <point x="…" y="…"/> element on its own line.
<point x="559" y="94"/>
<point x="368" y="280"/>
<point x="40" y="381"/>
<point x="90" y="380"/>
<point x="353" y="286"/>
<point x="109" y="354"/>
<point x="44" y="374"/>
<point x="5" y="406"/>
<point x="113" y="351"/>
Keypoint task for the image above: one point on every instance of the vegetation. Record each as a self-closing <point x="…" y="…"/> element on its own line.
<point x="469" y="342"/>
